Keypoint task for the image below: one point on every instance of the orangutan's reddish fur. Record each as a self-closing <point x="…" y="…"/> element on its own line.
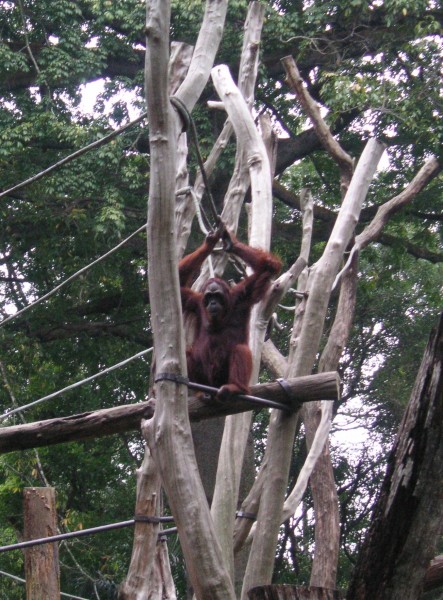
<point x="219" y="355"/>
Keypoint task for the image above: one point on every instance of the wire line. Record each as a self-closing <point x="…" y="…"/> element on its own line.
<point x="71" y="277"/>
<point x="73" y="385"/>
<point x="81" y="533"/>
<point x="104" y="140"/>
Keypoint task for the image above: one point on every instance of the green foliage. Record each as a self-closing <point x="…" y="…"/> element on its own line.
<point x="373" y="67"/>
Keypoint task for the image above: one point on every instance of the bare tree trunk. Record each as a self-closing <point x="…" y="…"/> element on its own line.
<point x="282" y="427"/>
<point x="398" y="548"/>
<point x="139" y="580"/>
<point x="322" y="482"/>
<point x="169" y="433"/>
<point x="316" y="417"/>
<point x="237" y="430"/>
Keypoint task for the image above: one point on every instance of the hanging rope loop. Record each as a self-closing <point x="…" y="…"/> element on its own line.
<point x="189" y="124"/>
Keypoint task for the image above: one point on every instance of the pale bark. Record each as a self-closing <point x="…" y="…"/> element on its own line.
<point x="282" y="427"/>
<point x="372" y="232"/>
<point x="239" y="182"/>
<point x="318" y="467"/>
<point x="240" y="179"/>
<point x="273" y="359"/>
<point x="206" y="47"/>
<point x="307" y="208"/>
<point x="324" y="490"/>
<point x="326" y="268"/>
<point x="317" y="417"/>
<point x="250" y="145"/>
<point x="279" y="288"/>
<point x="429" y="170"/>
<point x="163" y="587"/>
<point x="109" y="421"/>
<point x="189" y="92"/>
<point x="139" y="579"/>
<point x="169" y="434"/>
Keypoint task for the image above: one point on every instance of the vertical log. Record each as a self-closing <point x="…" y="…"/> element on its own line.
<point x="324" y="490"/>
<point x="139" y="579"/>
<point x="169" y="432"/>
<point x="282" y="427"/>
<point x="41" y="562"/>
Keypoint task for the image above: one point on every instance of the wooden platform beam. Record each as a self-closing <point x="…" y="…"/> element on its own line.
<point x="323" y="386"/>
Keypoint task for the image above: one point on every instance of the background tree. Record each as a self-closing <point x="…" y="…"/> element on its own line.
<point x="374" y="68"/>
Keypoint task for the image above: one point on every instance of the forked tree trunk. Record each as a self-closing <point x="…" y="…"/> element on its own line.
<point x="168" y="433"/>
<point x="407" y="519"/>
<point x="282" y="428"/>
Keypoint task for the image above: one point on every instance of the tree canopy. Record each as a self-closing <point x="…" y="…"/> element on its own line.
<point x="373" y="70"/>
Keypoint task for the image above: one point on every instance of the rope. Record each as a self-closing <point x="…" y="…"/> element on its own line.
<point x="190" y="123"/>
<point x="201" y="217"/>
<point x="72" y="277"/>
<point x="74" y="385"/>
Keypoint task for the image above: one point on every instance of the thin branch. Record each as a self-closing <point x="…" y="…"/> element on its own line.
<point x="343" y="160"/>
<point x="373" y="231"/>
<point x="429" y="170"/>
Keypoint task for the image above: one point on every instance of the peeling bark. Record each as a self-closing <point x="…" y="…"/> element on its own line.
<point x="399" y="547"/>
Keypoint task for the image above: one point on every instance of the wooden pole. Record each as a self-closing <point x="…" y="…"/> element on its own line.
<point x="323" y="386"/>
<point x="292" y="592"/>
<point x="41" y="562"/>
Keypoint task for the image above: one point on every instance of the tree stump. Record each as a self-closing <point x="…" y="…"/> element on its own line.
<point x="293" y="592"/>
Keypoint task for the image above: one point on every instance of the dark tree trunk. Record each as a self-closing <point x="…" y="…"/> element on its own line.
<point x="434" y="575"/>
<point x="407" y="519"/>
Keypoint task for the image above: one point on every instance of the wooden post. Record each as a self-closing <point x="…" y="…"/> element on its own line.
<point x="292" y="592"/>
<point x="41" y="562"/>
